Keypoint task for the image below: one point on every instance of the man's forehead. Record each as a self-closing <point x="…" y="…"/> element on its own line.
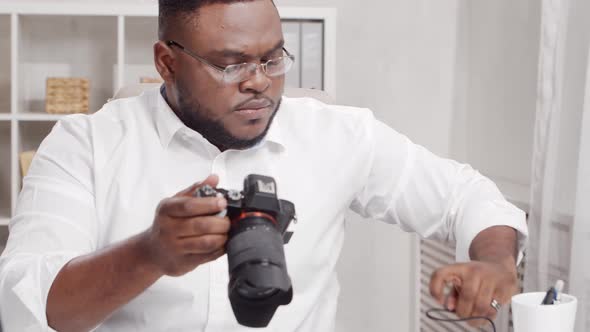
<point x="250" y="27"/>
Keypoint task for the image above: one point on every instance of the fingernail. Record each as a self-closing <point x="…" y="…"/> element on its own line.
<point x="221" y="203"/>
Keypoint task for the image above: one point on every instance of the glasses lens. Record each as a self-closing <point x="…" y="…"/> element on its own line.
<point x="239" y="73"/>
<point x="279" y="66"/>
<point x="244" y="71"/>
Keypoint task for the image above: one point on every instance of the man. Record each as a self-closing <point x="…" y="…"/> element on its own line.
<point x="86" y="249"/>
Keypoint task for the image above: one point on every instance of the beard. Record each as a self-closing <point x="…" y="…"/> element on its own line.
<point x="191" y="113"/>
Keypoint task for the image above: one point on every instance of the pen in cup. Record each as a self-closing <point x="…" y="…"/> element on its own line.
<point x="553" y="295"/>
<point x="558" y="290"/>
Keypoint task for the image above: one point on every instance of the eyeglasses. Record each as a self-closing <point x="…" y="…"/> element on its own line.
<point x="241" y="72"/>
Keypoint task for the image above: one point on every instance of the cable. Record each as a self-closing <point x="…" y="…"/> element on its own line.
<point x="455" y="320"/>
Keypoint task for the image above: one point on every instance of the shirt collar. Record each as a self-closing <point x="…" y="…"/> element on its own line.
<point x="274" y="133"/>
<point x="168" y="124"/>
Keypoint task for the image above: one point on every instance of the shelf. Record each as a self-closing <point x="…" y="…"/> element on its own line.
<point x="131" y="8"/>
<point x="76" y="7"/>
<point x="5" y="71"/>
<point x="5" y="170"/>
<point x="108" y="42"/>
<point x="32" y="134"/>
<point x="39" y="116"/>
<point x="31" y="117"/>
<point x="74" y="46"/>
<point x="141" y="33"/>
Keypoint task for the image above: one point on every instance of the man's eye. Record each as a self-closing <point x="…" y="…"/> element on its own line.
<point x="275" y="63"/>
<point x="272" y="57"/>
<point x="224" y="62"/>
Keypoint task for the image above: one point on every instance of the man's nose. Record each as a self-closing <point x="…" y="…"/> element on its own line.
<point x="257" y="83"/>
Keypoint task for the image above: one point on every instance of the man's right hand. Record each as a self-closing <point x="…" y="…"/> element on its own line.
<point x="186" y="231"/>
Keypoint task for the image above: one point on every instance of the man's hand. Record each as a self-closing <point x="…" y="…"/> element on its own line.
<point x="185" y="232"/>
<point x="477" y="284"/>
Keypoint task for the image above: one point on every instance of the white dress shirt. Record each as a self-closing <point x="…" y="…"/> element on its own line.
<point x="97" y="179"/>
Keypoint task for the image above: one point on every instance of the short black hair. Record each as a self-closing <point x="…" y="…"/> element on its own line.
<point x="174" y="10"/>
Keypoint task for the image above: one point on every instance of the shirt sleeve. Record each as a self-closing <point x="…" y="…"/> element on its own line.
<point x="54" y="222"/>
<point x="435" y="197"/>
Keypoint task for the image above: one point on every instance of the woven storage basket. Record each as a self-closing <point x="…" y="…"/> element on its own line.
<point x="25" y="161"/>
<point x="66" y="95"/>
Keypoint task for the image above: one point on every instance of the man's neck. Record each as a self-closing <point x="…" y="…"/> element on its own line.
<point x="163" y="92"/>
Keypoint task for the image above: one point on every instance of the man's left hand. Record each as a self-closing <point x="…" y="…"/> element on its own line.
<point x="477" y="285"/>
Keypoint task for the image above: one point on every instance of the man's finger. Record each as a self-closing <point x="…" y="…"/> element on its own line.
<point x="204" y="258"/>
<point x="199" y="226"/>
<point x="206" y="244"/>
<point x="212" y="180"/>
<point x="504" y="293"/>
<point x="451" y="302"/>
<point x="452" y="274"/>
<point x="213" y="256"/>
<point x="483" y="305"/>
<point x="184" y="207"/>
<point x="467" y="297"/>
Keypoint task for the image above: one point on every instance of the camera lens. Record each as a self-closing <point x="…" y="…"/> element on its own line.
<point x="249" y="291"/>
<point x="259" y="281"/>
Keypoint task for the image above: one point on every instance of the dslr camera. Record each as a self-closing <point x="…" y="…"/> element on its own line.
<point x="258" y="278"/>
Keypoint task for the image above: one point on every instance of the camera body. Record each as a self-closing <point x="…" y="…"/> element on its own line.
<point x="259" y="195"/>
<point x="259" y="281"/>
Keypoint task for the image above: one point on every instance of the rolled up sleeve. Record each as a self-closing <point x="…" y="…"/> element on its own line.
<point x="435" y="197"/>
<point x="54" y="222"/>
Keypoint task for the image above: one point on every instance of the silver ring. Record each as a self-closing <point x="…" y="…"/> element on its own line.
<point x="495" y="305"/>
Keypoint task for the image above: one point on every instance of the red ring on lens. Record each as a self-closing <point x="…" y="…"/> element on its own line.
<point x="263" y="215"/>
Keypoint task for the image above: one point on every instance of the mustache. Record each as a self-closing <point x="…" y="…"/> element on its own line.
<point x="256" y="101"/>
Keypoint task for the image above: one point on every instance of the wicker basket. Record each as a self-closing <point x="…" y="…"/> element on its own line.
<point x="67" y="95"/>
<point x="25" y="161"/>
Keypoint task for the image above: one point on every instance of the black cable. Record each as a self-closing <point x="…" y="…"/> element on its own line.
<point x="455" y="320"/>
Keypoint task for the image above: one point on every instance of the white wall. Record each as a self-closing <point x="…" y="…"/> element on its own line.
<point x="396" y="57"/>
<point x="496" y="90"/>
<point x="495" y="94"/>
<point x="457" y="76"/>
<point x="574" y="83"/>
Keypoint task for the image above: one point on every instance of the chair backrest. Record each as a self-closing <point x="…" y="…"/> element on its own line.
<point x="320" y="95"/>
<point x="136" y="89"/>
<point x="133" y="90"/>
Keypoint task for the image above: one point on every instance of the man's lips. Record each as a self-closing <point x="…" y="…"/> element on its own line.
<point x="254" y="109"/>
<point x="255" y="105"/>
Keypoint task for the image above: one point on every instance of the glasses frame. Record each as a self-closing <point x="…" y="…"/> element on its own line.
<point x="223" y="70"/>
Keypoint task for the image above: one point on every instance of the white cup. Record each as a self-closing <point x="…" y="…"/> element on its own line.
<point x="529" y="315"/>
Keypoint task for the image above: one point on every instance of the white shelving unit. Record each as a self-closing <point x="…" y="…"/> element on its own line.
<point x="109" y="43"/>
<point x="5" y="118"/>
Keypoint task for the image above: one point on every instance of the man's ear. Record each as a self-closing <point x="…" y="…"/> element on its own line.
<point x="165" y="61"/>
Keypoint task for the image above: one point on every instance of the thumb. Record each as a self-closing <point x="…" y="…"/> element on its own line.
<point x="212" y="180"/>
